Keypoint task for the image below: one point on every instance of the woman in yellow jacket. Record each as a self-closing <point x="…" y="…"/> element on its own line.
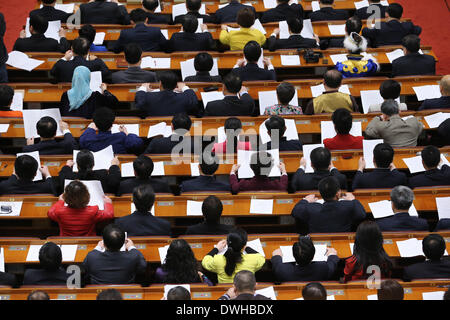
<point x="233" y="260"/>
<point x="237" y="39"/>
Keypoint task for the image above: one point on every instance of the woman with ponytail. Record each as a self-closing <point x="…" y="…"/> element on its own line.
<point x="233" y="260"/>
<point x="233" y="127"/>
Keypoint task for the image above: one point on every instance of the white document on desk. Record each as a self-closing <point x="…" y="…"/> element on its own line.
<point x="268" y="292"/>
<point x="21" y="61"/>
<point x="131" y="128"/>
<point x="96" y="81"/>
<point x="372" y="297"/>
<point x="337" y="29"/>
<point x="211" y="96"/>
<point x="319" y="89"/>
<point x="287" y="253"/>
<point x="4" y="127"/>
<point x="102" y="159"/>
<point x="158" y="169"/>
<point x="188" y="69"/>
<point x="155" y="63"/>
<point x="31" y="118"/>
<point x="261" y="206"/>
<point x="99" y="38"/>
<point x="321" y="251"/>
<point x="269" y="98"/>
<point x="290" y="60"/>
<point x="361" y="4"/>
<point x="195" y="170"/>
<point x="290" y="133"/>
<point x="160" y="129"/>
<point x="257" y="246"/>
<point x="69" y="252"/>
<point x="307" y="149"/>
<point x="410" y="248"/>
<point x="434" y="295"/>
<point x="341" y="57"/>
<point x="435" y="120"/>
<point x="35" y="155"/>
<point x="443" y="207"/>
<point x="327" y="129"/>
<point x="269" y="4"/>
<point x="315" y="6"/>
<point x="368" y="146"/>
<point x="427" y="92"/>
<point x="394" y="55"/>
<point x="194" y="208"/>
<point x="258" y="26"/>
<point x="2" y="260"/>
<point x="95" y="191"/>
<point x="16" y="208"/>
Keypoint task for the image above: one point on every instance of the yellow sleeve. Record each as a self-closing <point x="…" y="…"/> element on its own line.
<point x="259" y="261"/>
<point x="262" y="38"/>
<point x="224" y="37"/>
<point x="208" y="263"/>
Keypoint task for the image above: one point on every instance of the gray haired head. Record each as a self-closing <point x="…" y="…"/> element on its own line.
<point x="389" y="107"/>
<point x="402" y="197"/>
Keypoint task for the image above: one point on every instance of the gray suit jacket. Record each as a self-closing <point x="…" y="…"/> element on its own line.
<point x="134" y="75"/>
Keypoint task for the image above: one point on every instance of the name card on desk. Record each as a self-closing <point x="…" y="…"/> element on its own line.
<point x="261" y="206"/>
<point x="368" y="146"/>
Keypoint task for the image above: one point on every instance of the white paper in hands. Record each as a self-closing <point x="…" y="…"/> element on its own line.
<point x="131" y="128"/>
<point x="194" y="208"/>
<point x="158" y="169"/>
<point x="188" y="69"/>
<point x="337" y="29"/>
<point x="244" y="157"/>
<point x="443" y="207"/>
<point x="290" y="133"/>
<point x="96" y="81"/>
<point x="371" y="97"/>
<point x="328" y="131"/>
<point x="102" y="159"/>
<point x="368" y="146"/>
<point x="180" y="9"/>
<point x="31" y="118"/>
<point x="2" y="260"/>
<point x="160" y="129"/>
<point x="319" y="89"/>
<point x="435" y="120"/>
<point x="288" y="256"/>
<point x="51" y="32"/>
<point x="211" y="96"/>
<point x="383" y="208"/>
<point x="95" y="191"/>
<point x="17" y="103"/>
<point x="257" y="246"/>
<point x="35" y="155"/>
<point x="269" y="98"/>
<point x="427" y="92"/>
<point x="307" y="149"/>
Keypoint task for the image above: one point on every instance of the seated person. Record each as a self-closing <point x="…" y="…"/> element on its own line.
<point x="393" y="30"/>
<point x="150" y="7"/>
<point x="38" y="42"/>
<point x="176" y="97"/>
<point x="188" y="39"/>
<point x="237" y="39"/>
<point x="8" y="279"/>
<point x="110" y="179"/>
<point x="342" y="120"/>
<point x="357" y="65"/>
<point x="295" y="40"/>
<point x="230" y="11"/>
<point x="323" y="167"/>
<point x="443" y="224"/>
<point x="402" y="199"/>
<point x="109" y="294"/>
<point x="51" y="272"/>
<point x="435" y="267"/>
<point x="444" y="131"/>
<point x="122" y="142"/>
<point x="63" y="69"/>
<point x="206" y="181"/>
<point x="193" y="7"/>
<point x="80" y="100"/>
<point x="442" y="102"/>
<point x="353" y="24"/>
<point x="104" y="12"/>
<point x="390" y="289"/>
<point x="364" y="13"/>
<point x="285" y="93"/>
<point x="142" y="222"/>
<point x="6" y="99"/>
<point x="49" y="12"/>
<point x="127" y="264"/>
<point x="261" y="164"/>
<point x="282" y="11"/>
<point x="88" y="32"/>
<point x="304" y="269"/>
<point x="134" y="73"/>
<point x="248" y="70"/>
<point x="389" y="89"/>
<point x="233" y="128"/>
<point x="413" y="62"/>
<point x="38" y="295"/>
<point x="203" y="63"/>
<point x="244" y="288"/>
<point x="237" y="101"/>
<point x="327" y="12"/>
<point x="334" y="215"/>
<point x="143" y="168"/>
<point x="385" y="174"/>
<point x="212" y="210"/>
<point x="276" y="127"/>
<point x="178" y="293"/>
<point x="436" y="174"/>
<point x="21" y="181"/>
<point x="392" y="128"/>
<point x="314" y="291"/>
<point x="331" y="99"/>
<point x="46" y="127"/>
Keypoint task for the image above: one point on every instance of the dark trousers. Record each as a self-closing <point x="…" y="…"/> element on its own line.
<point x="3" y="74"/>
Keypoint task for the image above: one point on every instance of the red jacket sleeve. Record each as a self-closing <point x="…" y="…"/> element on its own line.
<point x="106" y="214"/>
<point x="54" y="210"/>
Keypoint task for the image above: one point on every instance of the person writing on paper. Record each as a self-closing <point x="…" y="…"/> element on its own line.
<point x="206" y="181"/>
<point x="122" y="142"/>
<point x="104" y="12"/>
<point x="244" y="288"/>
<point x="150" y="7"/>
<point x="365" y="12"/>
<point x="390" y="289"/>
<point x="178" y="293"/>
<point x="314" y="291"/>
<point x="276" y="127"/>
<point x="110" y="179"/>
<point x="367" y="251"/>
<point x="180" y="265"/>
<point x="327" y="12"/>
<point x="331" y="99"/>
<point x="109" y="294"/>
<point x="402" y="199"/>
<point x="282" y="11"/>
<point x="78" y="219"/>
<point x="228" y="14"/>
<point x="393" y="129"/>
<point x="143" y="168"/>
<point x="439" y="103"/>
<point x="385" y="174"/>
<point x="193" y="8"/>
<point x="237" y="101"/>
<point x="413" y="62"/>
<point x="304" y="268"/>
<point x="295" y="40"/>
<point x="141" y="222"/>
<point x="343" y="122"/>
<point x="233" y="128"/>
<point x="6" y="99"/>
<point x="88" y="32"/>
<point x="340" y="212"/>
<point x="437" y="173"/>
<point x="21" y="181"/>
<point x="50" y="271"/>
<point x="3" y="51"/>
<point x="285" y="93"/>
<point x="203" y="63"/>
<point x="353" y="24"/>
<point x="322" y="166"/>
<point x="49" y="12"/>
<point x="248" y="70"/>
<point x="389" y="89"/>
<point x="227" y="265"/>
<point x="237" y="39"/>
<point x="190" y="40"/>
<point x="134" y="73"/>
<point x="108" y="264"/>
<point x="212" y="209"/>
<point x="261" y="164"/>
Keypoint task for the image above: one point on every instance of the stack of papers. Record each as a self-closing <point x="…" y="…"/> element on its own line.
<point x="245" y="172"/>
<point x="194" y="208"/>
<point x="102" y="159"/>
<point x="16" y="207"/>
<point x="31" y="118"/>
<point x="368" y="146"/>
<point x="268" y="292"/>
<point x="160" y="129"/>
<point x="155" y="63"/>
<point x="211" y="96"/>
<point x="337" y="29"/>
<point x="382" y="209"/>
<point x="95" y="191"/>
<point x="35" y="155"/>
<point x="131" y="128"/>
<point x="319" y="89"/>
<point x="187" y="68"/>
<point x="261" y="206"/>
<point x="371" y="97"/>
<point x="443" y="207"/>
<point x="307" y="149"/>
<point x="328" y="131"/>
<point x="427" y="92"/>
<point x="21" y="61"/>
<point x="435" y="120"/>
<point x="269" y="98"/>
<point x="290" y="133"/>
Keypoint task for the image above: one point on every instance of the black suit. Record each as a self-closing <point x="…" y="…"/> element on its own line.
<point x="7" y="279"/>
<point x="282" y="12"/>
<point x="364" y="15"/>
<point x="443" y="224"/>
<point x="3" y="51"/>
<point x="431" y="178"/>
<point x="39" y="277"/>
<point x="157" y="18"/>
<point x="148" y="38"/>
<point x="293" y="42"/>
<point x="245" y="296"/>
<point x="334" y="43"/>
<point x="310" y="181"/>
<point x="428" y="270"/>
<point x="285" y="145"/>
<point x="402" y="221"/>
<point x="206" y="18"/>
<point x="390" y="33"/>
<point x="50" y="147"/>
<point x="414" y="64"/>
<point x="315" y="271"/>
<point x="151" y="103"/>
<point x="251" y="72"/>
<point x="114" y="267"/>
<point x="209" y="229"/>
<point x="444" y="130"/>
<point x="15" y="186"/>
<point x="158" y="185"/>
<point x="51" y="14"/>
<point x="87" y="109"/>
<point x="62" y="71"/>
<point x="328" y="13"/>
<point x="134" y="75"/>
<point x="228" y="13"/>
<point x="379" y="178"/>
<point x="40" y="43"/>
<point x="204" y="183"/>
<point x="231" y="106"/>
<point x="438" y="103"/>
<point x="165" y="145"/>
<point x="143" y="224"/>
<point x="203" y="76"/>
<point x="186" y="41"/>
<point x="102" y="12"/>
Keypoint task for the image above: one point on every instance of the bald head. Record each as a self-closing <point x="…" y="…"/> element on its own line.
<point x="332" y="79"/>
<point x="445" y="85"/>
<point x="244" y="282"/>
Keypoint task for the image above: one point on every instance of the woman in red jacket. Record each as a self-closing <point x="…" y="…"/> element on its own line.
<point x="77" y="219"/>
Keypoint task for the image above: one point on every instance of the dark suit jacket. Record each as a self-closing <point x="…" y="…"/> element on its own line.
<point x="3" y="51"/>
<point x="40" y="43"/>
<point x="102" y="12"/>
<point x="158" y="185"/>
<point x="40" y="277"/>
<point x="209" y="229"/>
<point x="443" y="224"/>
<point x="245" y="296"/>
<point x="431" y="178"/>
<point x="335" y="43"/>
<point x="7" y="279"/>
<point x="286" y="145"/>
<point x="402" y="221"/>
<point x="51" y="14"/>
<point x="310" y="181"/>
<point x="114" y="267"/>
<point x="143" y="224"/>
<point x="379" y="178"/>
<point x="165" y="145"/>
<point x="203" y="76"/>
<point x="15" y="186"/>
<point x="293" y="42"/>
<point x="87" y="109"/>
<point x="231" y="106"/>
<point x="428" y="270"/>
<point x="148" y="38"/>
<point x="150" y="103"/>
<point x="206" y="18"/>
<point x="444" y="130"/>
<point x="185" y="41"/>
<point x="50" y="147"/>
<point x="229" y="12"/>
<point x="315" y="271"/>
<point x="438" y="103"/>
<point x="328" y="13"/>
<point x="282" y="12"/>
<point x="62" y="71"/>
<point x="134" y="75"/>
<point x="251" y="72"/>
<point x="154" y="18"/>
<point x="204" y="183"/>
<point x="332" y="216"/>
<point x="390" y="33"/>
<point x="364" y="15"/>
<point x="414" y="64"/>
<point x="110" y="179"/>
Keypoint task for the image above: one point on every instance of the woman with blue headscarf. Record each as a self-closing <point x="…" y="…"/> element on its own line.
<point x="81" y="101"/>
